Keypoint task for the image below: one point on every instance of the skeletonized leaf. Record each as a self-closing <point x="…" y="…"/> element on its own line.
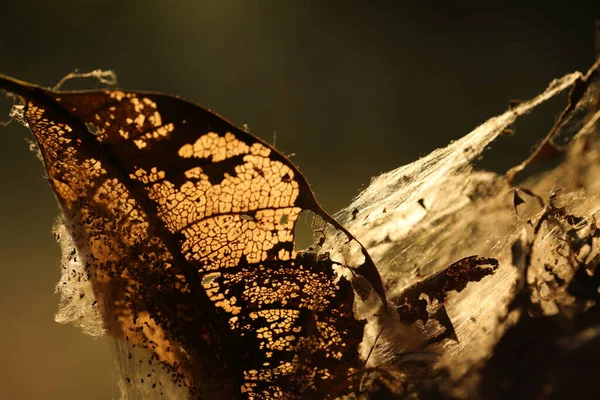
<point x="185" y="224"/>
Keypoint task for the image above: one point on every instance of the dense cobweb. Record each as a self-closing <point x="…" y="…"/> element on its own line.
<point x="419" y="218"/>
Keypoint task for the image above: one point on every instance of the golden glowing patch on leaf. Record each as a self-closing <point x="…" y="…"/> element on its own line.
<point x="148" y="177"/>
<point x="215" y="147"/>
<point x="160" y="132"/>
<point x="119" y="115"/>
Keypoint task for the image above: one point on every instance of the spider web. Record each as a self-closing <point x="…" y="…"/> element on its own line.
<point x="419" y="218"/>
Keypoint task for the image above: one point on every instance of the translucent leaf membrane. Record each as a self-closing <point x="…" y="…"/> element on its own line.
<point x="77" y="297"/>
<point x="419" y="218"/>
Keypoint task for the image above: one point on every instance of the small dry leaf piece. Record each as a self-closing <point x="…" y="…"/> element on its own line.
<point x="412" y="305"/>
<point x="186" y="224"/>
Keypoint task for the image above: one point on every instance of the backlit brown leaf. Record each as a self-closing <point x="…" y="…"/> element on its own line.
<point x="186" y="224"/>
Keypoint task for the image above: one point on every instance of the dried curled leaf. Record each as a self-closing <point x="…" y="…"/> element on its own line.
<point x="414" y="301"/>
<point x="185" y="225"/>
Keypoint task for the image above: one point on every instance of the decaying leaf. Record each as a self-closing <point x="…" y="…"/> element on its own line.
<point x="415" y="300"/>
<point x="184" y="227"/>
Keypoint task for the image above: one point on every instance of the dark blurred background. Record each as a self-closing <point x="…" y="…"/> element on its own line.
<point x="351" y="88"/>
